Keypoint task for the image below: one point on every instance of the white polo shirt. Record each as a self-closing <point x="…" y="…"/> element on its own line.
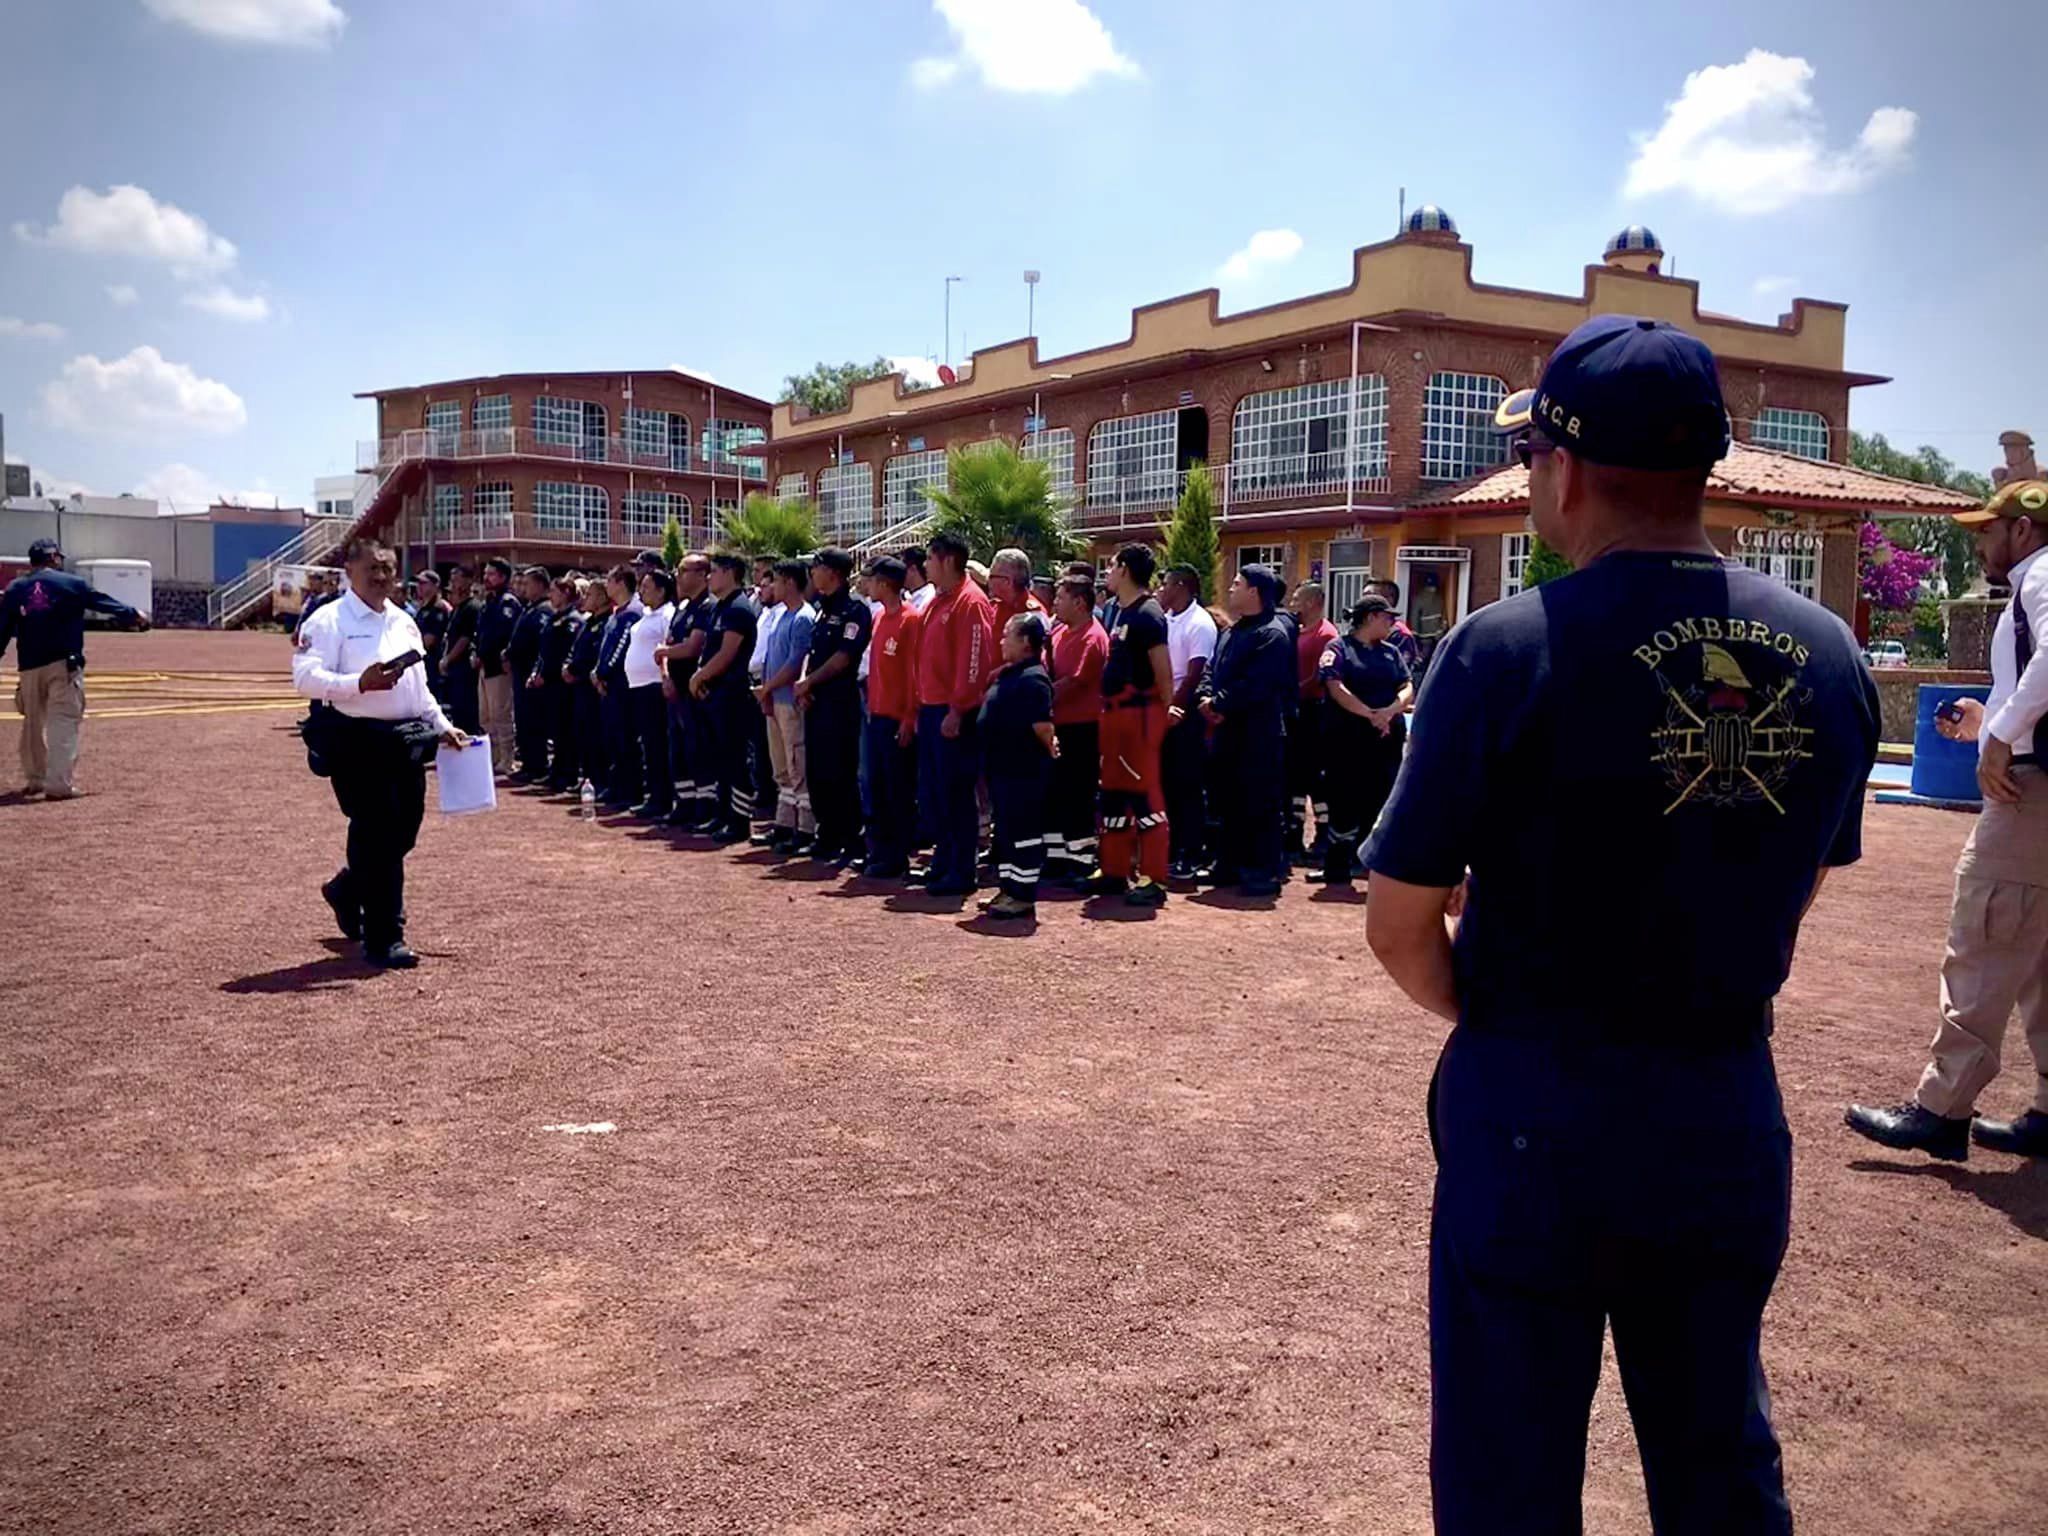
<point x="1189" y="633"/>
<point x="339" y="642"/>
<point x="649" y="631"/>
<point x="917" y="601"/>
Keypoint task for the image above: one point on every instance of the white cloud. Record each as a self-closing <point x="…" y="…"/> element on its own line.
<point x="1267" y="248"/>
<point x="123" y="294"/>
<point x="1052" y="47"/>
<point x="223" y="302"/>
<point x="127" y="221"/>
<point x="1747" y="138"/>
<point x="140" y="395"/>
<point x="30" y="330"/>
<point x="182" y="488"/>
<point x="1772" y="287"/>
<point x="917" y="370"/>
<point x="292" y="23"/>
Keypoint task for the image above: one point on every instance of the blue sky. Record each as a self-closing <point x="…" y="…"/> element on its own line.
<point x="334" y="195"/>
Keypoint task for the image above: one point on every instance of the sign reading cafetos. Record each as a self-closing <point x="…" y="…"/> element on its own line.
<point x="1777" y="541"/>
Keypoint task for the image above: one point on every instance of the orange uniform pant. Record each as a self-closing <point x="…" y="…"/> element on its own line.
<point x="1133" y="794"/>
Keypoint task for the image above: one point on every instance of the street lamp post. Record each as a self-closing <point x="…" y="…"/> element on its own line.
<point x="1031" y="302"/>
<point x="948" y="349"/>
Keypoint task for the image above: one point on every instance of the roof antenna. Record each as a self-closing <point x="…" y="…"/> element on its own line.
<point x="1401" y="218"/>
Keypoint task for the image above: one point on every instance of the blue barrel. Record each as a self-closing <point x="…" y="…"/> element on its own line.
<point x="1943" y="769"/>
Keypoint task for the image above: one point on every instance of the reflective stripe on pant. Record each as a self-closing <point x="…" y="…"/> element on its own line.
<point x="51" y="699"/>
<point x="1070" y="838"/>
<point x="733" y="717"/>
<point x="1541" y="1235"/>
<point x="832" y="745"/>
<point x="494" y="703"/>
<point x="786" y="752"/>
<point x="946" y="774"/>
<point x="892" y="792"/>
<point x="1019" y="800"/>
<point x="1133" y="799"/>
<point x="1997" y="956"/>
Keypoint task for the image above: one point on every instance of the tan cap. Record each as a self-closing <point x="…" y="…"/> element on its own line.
<point x="2017" y="498"/>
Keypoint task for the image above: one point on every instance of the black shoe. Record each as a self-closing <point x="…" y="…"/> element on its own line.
<point x="735" y="832"/>
<point x="2026" y="1136"/>
<point x="1216" y="874"/>
<point x="680" y="820"/>
<point x="945" y="888"/>
<point x="876" y="871"/>
<point x="1327" y="876"/>
<point x="349" y="919"/>
<point x="1102" y="883"/>
<point x="1181" y="869"/>
<point x="1910" y="1128"/>
<point x="1146" y="893"/>
<point x="918" y="874"/>
<point x="1010" y="907"/>
<point x="391" y="957"/>
<point x="775" y="837"/>
<point x="1259" y="888"/>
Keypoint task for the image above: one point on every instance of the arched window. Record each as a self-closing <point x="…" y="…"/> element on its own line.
<point x="1300" y="439"/>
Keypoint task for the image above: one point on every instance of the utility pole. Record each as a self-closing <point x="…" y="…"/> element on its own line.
<point x="1031" y="302"/>
<point x="948" y="348"/>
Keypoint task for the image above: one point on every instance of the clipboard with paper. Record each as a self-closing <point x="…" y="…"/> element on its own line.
<point x="463" y="778"/>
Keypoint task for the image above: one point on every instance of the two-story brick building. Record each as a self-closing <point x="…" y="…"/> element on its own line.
<point x="1350" y="432"/>
<point x="560" y="469"/>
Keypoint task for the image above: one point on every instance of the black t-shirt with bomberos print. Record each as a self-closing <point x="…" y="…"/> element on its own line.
<point x="1644" y="766"/>
<point x="1138" y="629"/>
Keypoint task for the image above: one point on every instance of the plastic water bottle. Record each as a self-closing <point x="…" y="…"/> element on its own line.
<point x="589" y="798"/>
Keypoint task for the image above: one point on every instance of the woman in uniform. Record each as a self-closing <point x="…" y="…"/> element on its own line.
<point x="1018" y="749"/>
<point x="1368" y="693"/>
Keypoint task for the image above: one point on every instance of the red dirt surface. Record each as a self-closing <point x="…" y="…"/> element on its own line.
<point x="905" y="1226"/>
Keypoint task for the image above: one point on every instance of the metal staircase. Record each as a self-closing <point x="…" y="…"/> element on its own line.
<point x="314" y="544"/>
<point x="891" y="539"/>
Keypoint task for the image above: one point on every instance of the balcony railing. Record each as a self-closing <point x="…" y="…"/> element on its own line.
<point x="525" y="527"/>
<point x="1282" y="476"/>
<point x="472" y="444"/>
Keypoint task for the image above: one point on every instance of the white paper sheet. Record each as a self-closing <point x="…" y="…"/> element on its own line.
<point x="464" y="778"/>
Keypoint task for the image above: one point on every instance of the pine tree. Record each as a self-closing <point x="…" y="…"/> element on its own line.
<point x="1190" y="538"/>
<point x="672" y="546"/>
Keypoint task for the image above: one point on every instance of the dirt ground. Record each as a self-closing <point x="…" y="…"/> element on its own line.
<point x="905" y="1226"/>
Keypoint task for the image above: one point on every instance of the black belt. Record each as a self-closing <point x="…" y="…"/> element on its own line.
<point x="1142" y="701"/>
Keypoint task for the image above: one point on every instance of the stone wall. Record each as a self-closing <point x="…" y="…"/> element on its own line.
<point x="1898" y="694"/>
<point x="178" y="605"/>
<point x="1970" y="622"/>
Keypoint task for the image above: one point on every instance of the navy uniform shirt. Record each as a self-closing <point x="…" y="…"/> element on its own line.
<point x="462" y="625"/>
<point x="1254" y="676"/>
<point x="1138" y="629"/>
<point x="1019" y="697"/>
<point x="733" y="614"/>
<point x="557" y="640"/>
<point x="495" y="619"/>
<point x="1644" y="765"/>
<point x="43" y="613"/>
<point x="613" y="645"/>
<point x="583" y="650"/>
<point x="1375" y="674"/>
<point x="842" y="628"/>
<point x="522" y="651"/>
<point x="433" y="620"/>
<point x="692" y="617"/>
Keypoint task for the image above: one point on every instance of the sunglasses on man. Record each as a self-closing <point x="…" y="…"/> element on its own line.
<point x="1529" y="446"/>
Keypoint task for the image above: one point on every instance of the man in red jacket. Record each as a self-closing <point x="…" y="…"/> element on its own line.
<point x="956" y="655"/>
<point x="1009" y="587"/>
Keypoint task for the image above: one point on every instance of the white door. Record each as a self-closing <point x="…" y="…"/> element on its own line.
<point x="1346" y="586"/>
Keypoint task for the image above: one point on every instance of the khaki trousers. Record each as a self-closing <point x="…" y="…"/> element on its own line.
<point x="51" y="699"/>
<point x="494" y="709"/>
<point x="1997" y="953"/>
<point x="786" y="757"/>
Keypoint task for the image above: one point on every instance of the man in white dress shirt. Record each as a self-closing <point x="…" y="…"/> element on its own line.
<point x="1998" y="928"/>
<point x="375" y="727"/>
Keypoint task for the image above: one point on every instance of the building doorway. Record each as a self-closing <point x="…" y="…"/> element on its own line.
<point x="1192" y="439"/>
<point x="1349" y="569"/>
<point x="1436" y="589"/>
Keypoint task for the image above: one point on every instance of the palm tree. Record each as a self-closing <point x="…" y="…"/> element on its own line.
<point x="766" y="526"/>
<point x="995" y="498"/>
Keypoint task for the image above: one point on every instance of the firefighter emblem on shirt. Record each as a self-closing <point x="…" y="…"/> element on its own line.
<point x="1730" y="735"/>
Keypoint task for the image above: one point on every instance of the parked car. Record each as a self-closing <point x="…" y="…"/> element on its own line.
<point x="1886" y="653"/>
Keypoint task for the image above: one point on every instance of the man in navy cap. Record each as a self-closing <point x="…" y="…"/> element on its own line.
<point x="1664" y="752"/>
<point x="43" y="613"/>
<point x="1245" y="699"/>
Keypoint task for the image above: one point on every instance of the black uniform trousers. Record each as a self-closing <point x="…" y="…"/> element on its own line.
<point x="1071" y="799"/>
<point x="532" y="722"/>
<point x="558" y="709"/>
<point x="1571" y="1194"/>
<point x="892" y="798"/>
<point x="459" y="698"/>
<point x="733" y="717"/>
<point x="1251" y="790"/>
<point x="383" y="793"/>
<point x="947" y="772"/>
<point x="832" y="732"/>
<point x="697" y="791"/>
<point x="1305" y="780"/>
<point x="1184" y="778"/>
<point x="761" y="764"/>
<point x="1018" y="797"/>
<point x="591" y="754"/>
<point x="1359" y="768"/>
<point x="650" y="724"/>
<point x="622" y="744"/>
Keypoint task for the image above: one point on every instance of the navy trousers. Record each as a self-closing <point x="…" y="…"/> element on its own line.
<point x="1018" y="801"/>
<point x="832" y="732"/>
<point x="622" y="743"/>
<point x="650" y="722"/>
<point x="946" y="774"/>
<point x="530" y="724"/>
<point x="1578" y="1186"/>
<point x="1251" y="783"/>
<point x="591" y="754"/>
<point x="892" y="798"/>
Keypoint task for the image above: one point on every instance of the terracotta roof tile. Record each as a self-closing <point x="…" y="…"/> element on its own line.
<point x="1747" y="474"/>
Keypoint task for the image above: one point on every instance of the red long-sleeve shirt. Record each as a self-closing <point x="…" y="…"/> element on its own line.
<point x="956" y="654"/>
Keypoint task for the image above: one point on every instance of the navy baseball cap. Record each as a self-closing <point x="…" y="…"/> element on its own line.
<point x="1628" y="391"/>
